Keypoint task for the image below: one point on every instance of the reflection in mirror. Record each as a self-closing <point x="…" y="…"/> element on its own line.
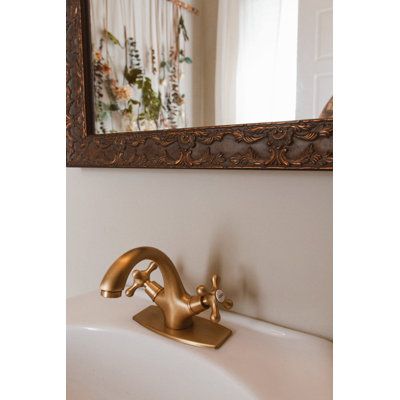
<point x="162" y="64"/>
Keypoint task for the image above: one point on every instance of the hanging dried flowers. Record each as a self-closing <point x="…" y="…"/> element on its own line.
<point x="136" y="97"/>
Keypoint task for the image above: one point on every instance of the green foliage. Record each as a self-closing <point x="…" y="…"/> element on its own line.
<point x="113" y="107"/>
<point x="101" y="114"/>
<point x="134" y="55"/>
<point x="153" y="62"/>
<point x="151" y="101"/>
<point x="113" y="39"/>
<point x="183" y="58"/>
<point x="182" y="29"/>
<point x="131" y="104"/>
<point x="132" y="75"/>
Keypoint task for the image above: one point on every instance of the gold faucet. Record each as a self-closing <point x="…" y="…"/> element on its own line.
<point x="176" y="310"/>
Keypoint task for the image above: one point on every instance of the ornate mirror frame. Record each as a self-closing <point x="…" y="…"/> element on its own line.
<point x="293" y="145"/>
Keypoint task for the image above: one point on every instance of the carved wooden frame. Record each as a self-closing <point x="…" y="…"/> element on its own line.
<point x="293" y="145"/>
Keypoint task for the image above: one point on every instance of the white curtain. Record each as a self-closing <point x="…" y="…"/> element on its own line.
<point x="226" y="61"/>
<point x="256" y="63"/>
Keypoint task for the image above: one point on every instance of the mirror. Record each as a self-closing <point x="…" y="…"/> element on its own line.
<point x="162" y="64"/>
<point x="210" y="84"/>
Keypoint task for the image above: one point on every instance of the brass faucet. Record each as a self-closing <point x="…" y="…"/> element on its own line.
<point x="174" y="315"/>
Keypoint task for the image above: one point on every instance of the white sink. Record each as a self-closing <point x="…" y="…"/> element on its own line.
<point x="111" y="357"/>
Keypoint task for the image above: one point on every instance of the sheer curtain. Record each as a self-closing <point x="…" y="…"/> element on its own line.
<point x="134" y="16"/>
<point x="256" y="63"/>
<point x="153" y="26"/>
<point x="144" y="20"/>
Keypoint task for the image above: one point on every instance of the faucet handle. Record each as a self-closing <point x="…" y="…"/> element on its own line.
<point x="140" y="278"/>
<point x="214" y="298"/>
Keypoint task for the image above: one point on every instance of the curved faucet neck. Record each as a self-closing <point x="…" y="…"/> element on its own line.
<point x="115" y="279"/>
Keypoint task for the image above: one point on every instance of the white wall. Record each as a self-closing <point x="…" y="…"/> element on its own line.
<point x="267" y="233"/>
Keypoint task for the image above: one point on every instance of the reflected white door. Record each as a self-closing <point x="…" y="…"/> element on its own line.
<point x="315" y="55"/>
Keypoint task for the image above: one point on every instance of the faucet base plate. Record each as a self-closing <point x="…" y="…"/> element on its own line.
<point x="203" y="333"/>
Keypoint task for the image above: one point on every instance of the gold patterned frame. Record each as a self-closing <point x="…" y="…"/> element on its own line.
<point x="293" y="145"/>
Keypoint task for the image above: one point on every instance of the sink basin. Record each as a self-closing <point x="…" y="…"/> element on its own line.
<point x="110" y="357"/>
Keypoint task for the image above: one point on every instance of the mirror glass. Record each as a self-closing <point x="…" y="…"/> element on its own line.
<point x="162" y="64"/>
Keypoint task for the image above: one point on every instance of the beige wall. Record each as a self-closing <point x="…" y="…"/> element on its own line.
<point x="267" y="233"/>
